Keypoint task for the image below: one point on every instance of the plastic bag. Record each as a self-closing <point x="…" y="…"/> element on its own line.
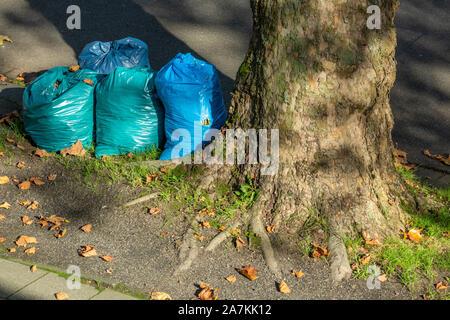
<point x="58" y="108"/>
<point x="129" y="116"/>
<point x="105" y="57"/>
<point x="190" y="91"/>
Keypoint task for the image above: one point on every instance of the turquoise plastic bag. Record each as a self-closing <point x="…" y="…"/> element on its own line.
<point x="58" y="108"/>
<point x="129" y="116"/>
<point x="190" y="91"/>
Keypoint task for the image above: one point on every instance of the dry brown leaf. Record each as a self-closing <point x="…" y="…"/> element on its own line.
<point x="231" y="278"/>
<point x="2" y="154"/>
<point x="33" y="206"/>
<point x="86" y="228"/>
<point x="163" y="234"/>
<point x="26" y="221"/>
<point x="20" y="164"/>
<point x="205" y="224"/>
<point x="207" y="293"/>
<point x="154" y="211"/>
<point x="382" y="278"/>
<point x="442" y="285"/>
<point x="205" y="211"/>
<point x="42" y="223"/>
<point x="88" y="251"/>
<point x="283" y="287"/>
<point x="109" y="271"/>
<point x="414" y="235"/>
<point x="248" y="272"/>
<point x="37" y="181"/>
<point x="365" y="259"/>
<point x="130" y="155"/>
<point x="51" y="177"/>
<point x="239" y="242"/>
<point x="222" y="228"/>
<point x="41" y="153"/>
<point x="2" y="240"/>
<point x="5" y="205"/>
<point x="20" y="147"/>
<point x="298" y="273"/>
<point x="23" y="241"/>
<point x="25" y="203"/>
<point x="74" y="150"/>
<point x="4" y="180"/>
<point x="374" y="242"/>
<point x="61" y="296"/>
<point x="235" y="231"/>
<point x="269" y="228"/>
<point x="319" y="251"/>
<point x="107" y="258"/>
<point x="2" y="217"/>
<point x="151" y="178"/>
<point x="74" y="68"/>
<point x="3" y="77"/>
<point x="61" y="233"/>
<point x="400" y="156"/>
<point x="9" y="140"/>
<point x="12" y="250"/>
<point x="31" y="250"/>
<point x="24" y="185"/>
<point x="33" y="268"/>
<point x="88" y="81"/>
<point x="355" y="267"/>
<point x="160" y="296"/>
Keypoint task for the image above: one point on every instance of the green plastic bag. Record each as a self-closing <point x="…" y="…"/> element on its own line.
<point x="129" y="116"/>
<point x="58" y="108"/>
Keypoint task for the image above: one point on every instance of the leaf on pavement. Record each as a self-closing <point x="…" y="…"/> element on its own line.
<point x="298" y="273"/>
<point x="248" y="272"/>
<point x="61" y="296"/>
<point x="20" y="164"/>
<point x="33" y="268"/>
<point x="24" y="185"/>
<point x="74" y="150"/>
<point x="88" y="251"/>
<point x="319" y="251"/>
<point x="52" y="177"/>
<point x="33" y="206"/>
<point x="86" y="228"/>
<point x="5" y="205"/>
<point x="4" y="38"/>
<point x="2" y="217"/>
<point x="37" y="181"/>
<point x="283" y="287"/>
<point x="25" y="203"/>
<point x="31" y="250"/>
<point x="160" y="296"/>
<point x="2" y="240"/>
<point x="207" y="293"/>
<point x="154" y="211"/>
<point x="4" y="179"/>
<point x="23" y="241"/>
<point x="26" y="221"/>
<point x="61" y="233"/>
<point x="107" y="258"/>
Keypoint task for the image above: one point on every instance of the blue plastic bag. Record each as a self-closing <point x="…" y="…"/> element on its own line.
<point x="129" y="116"/>
<point x="190" y="91"/>
<point x="58" y="108"/>
<point x="105" y="57"/>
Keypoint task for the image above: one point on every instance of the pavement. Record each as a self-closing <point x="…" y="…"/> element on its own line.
<point x="18" y="282"/>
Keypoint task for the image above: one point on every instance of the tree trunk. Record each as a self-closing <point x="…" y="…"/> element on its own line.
<point x="318" y="74"/>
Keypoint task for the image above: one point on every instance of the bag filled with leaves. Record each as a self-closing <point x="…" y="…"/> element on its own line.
<point x="191" y="94"/>
<point x="58" y="108"/>
<point x="129" y="116"/>
<point x="105" y="57"/>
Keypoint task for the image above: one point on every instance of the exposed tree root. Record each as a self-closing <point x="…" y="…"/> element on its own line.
<point x="142" y="199"/>
<point x="220" y="237"/>
<point x="340" y="267"/>
<point x="189" y="250"/>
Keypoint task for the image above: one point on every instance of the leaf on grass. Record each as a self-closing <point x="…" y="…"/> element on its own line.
<point x="283" y="287"/>
<point x="5" y="205"/>
<point x="107" y="258"/>
<point x="382" y="278"/>
<point x="154" y="211"/>
<point x="74" y="150"/>
<point x="37" y="181"/>
<point x="24" y="185"/>
<point x="31" y="250"/>
<point x="205" y="224"/>
<point x="151" y="178"/>
<point x="319" y="251"/>
<point x="130" y="155"/>
<point x="41" y="153"/>
<point x="4" y="180"/>
<point x="374" y="242"/>
<point x="231" y="278"/>
<point x="160" y="296"/>
<point x="414" y="235"/>
<point x="400" y="156"/>
<point x="298" y="273"/>
<point x="222" y="228"/>
<point x="33" y="206"/>
<point x="86" y="228"/>
<point x="207" y="293"/>
<point x="51" y="177"/>
<point x="23" y="241"/>
<point x="26" y="221"/>
<point x="206" y="211"/>
<point x="248" y="272"/>
<point x="88" y="251"/>
<point x="61" y="296"/>
<point x="365" y="259"/>
<point x="235" y="231"/>
<point x="442" y="285"/>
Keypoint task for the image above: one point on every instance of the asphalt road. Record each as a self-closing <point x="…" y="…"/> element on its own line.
<point x="219" y="32"/>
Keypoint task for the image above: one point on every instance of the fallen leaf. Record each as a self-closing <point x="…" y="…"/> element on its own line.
<point x="2" y="217"/>
<point x="25" y="203"/>
<point x="205" y="224"/>
<point x="283" y="287"/>
<point x="130" y="155"/>
<point x="319" y="251"/>
<point x="400" y="156"/>
<point x="442" y="285"/>
<point x="3" y="77"/>
<point x="41" y="153"/>
<point x="390" y="202"/>
<point x="414" y="235"/>
<point x="222" y="228"/>
<point x="160" y="296"/>
<point x="74" y="150"/>
<point x="31" y="250"/>
<point x="110" y="271"/>
<point x="10" y="140"/>
<point x="42" y="223"/>
<point x="105" y="157"/>
<point x="202" y="238"/>
<point x="365" y="259"/>
<point x="33" y="206"/>
<point x="107" y="258"/>
<point x="239" y="242"/>
<point x="154" y="211"/>
<point x="355" y="267"/>
<point x="2" y="240"/>
<point x="26" y="221"/>
<point x="382" y="278"/>
<point x="5" y="205"/>
<point x="235" y="231"/>
<point x="33" y="268"/>
<point x="231" y="278"/>
<point x="150" y="178"/>
<point x="4" y="180"/>
<point x="61" y="296"/>
<point x="74" y="68"/>
<point x="206" y="211"/>
<point x="51" y="177"/>
<point x="37" y="181"/>
<point x="20" y="147"/>
<point x="24" y="185"/>
<point x="374" y="242"/>
<point x="248" y="272"/>
<point x="20" y="164"/>
<point x="88" y="81"/>
<point x="298" y="273"/>
<point x="61" y="233"/>
<point x="207" y="292"/>
<point x="3" y="39"/>
<point x="12" y="250"/>
<point x="88" y="251"/>
<point x="23" y="241"/>
<point x="87" y="228"/>
<point x="269" y="228"/>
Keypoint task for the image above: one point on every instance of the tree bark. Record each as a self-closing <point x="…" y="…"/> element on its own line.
<point x="318" y="74"/>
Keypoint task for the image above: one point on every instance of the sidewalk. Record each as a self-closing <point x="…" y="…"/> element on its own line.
<point x="18" y="282"/>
